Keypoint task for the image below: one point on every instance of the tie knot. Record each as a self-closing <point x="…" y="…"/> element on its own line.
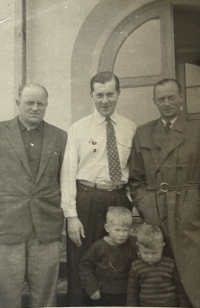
<point x="108" y="119"/>
<point x="168" y="124"/>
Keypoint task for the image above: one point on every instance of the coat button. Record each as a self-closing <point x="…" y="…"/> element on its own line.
<point x="178" y="193"/>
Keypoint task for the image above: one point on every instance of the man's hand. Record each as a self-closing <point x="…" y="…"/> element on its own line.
<point x="75" y="230"/>
<point x="96" y="295"/>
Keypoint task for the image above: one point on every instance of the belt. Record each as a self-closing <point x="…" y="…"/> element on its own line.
<point x="165" y="187"/>
<point x="101" y="186"/>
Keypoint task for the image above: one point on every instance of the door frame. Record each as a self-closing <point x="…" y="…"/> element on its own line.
<point x="94" y="42"/>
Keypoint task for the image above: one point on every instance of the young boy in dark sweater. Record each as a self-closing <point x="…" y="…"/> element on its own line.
<point x="104" y="269"/>
<point x="154" y="280"/>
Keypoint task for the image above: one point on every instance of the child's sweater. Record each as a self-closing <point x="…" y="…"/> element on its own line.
<point x="154" y="284"/>
<point x="106" y="267"/>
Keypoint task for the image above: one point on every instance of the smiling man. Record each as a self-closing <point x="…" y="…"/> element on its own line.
<point x="94" y="173"/>
<point x="165" y="180"/>
<point x="31" y="219"/>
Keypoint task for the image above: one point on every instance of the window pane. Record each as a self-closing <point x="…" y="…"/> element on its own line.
<point x="192" y="73"/>
<point x="193" y="100"/>
<point x="137" y="105"/>
<point x="140" y="55"/>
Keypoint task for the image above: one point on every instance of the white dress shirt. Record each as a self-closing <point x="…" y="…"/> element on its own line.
<point x="86" y="156"/>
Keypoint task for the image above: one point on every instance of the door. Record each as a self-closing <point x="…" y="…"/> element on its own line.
<point x="160" y="40"/>
<point x="187" y="55"/>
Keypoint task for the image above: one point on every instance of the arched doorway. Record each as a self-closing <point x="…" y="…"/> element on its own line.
<point x="141" y="45"/>
<point x="160" y="40"/>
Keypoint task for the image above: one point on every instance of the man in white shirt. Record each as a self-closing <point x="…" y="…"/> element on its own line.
<point x="94" y="173"/>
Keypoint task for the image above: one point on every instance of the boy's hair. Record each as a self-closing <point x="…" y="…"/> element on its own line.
<point x="120" y="215"/>
<point x="149" y="236"/>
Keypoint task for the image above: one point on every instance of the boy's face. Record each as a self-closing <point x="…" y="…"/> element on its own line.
<point x="118" y="234"/>
<point x="150" y="256"/>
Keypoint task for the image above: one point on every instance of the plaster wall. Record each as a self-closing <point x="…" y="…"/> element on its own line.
<point x="7" y="59"/>
<point x="64" y="42"/>
<point x="52" y="28"/>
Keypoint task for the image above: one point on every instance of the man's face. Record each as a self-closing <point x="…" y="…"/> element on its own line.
<point x="32" y="106"/>
<point x="168" y="100"/>
<point x="105" y="97"/>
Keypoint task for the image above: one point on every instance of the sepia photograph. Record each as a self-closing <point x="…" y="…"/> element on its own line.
<point x="100" y="153"/>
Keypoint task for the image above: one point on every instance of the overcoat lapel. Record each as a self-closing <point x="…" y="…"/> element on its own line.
<point x="50" y="138"/>
<point x="14" y="136"/>
<point x="173" y="140"/>
<point x="159" y="134"/>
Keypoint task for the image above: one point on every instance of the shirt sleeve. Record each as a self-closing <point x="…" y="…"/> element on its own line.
<point x="68" y="175"/>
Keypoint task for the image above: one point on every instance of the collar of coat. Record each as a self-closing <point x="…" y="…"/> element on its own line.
<point x="154" y="137"/>
<point x="176" y="135"/>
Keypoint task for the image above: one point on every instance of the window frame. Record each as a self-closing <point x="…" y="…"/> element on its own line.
<point x="162" y="11"/>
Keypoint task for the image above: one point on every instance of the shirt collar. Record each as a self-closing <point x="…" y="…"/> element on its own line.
<point x="100" y="118"/>
<point x="22" y="128"/>
<point x="172" y="121"/>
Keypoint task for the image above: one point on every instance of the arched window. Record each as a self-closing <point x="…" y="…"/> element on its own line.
<point x="138" y="42"/>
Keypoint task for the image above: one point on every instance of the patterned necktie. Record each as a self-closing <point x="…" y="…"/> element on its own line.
<point x="168" y="126"/>
<point x="113" y="155"/>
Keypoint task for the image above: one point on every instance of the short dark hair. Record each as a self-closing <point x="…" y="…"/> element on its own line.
<point x="164" y="81"/>
<point x="103" y="77"/>
<point x="33" y="85"/>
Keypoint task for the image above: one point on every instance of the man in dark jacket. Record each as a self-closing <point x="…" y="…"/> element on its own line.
<point x="31" y="220"/>
<point x="165" y="180"/>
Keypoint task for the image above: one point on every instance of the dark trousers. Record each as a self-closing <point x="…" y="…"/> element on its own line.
<point x="92" y="206"/>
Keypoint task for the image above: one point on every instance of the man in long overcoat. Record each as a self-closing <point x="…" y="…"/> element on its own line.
<point x="31" y="219"/>
<point x="165" y="181"/>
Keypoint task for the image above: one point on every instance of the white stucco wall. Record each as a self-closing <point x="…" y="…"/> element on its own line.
<point x="52" y="28"/>
<point x="7" y="59"/>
